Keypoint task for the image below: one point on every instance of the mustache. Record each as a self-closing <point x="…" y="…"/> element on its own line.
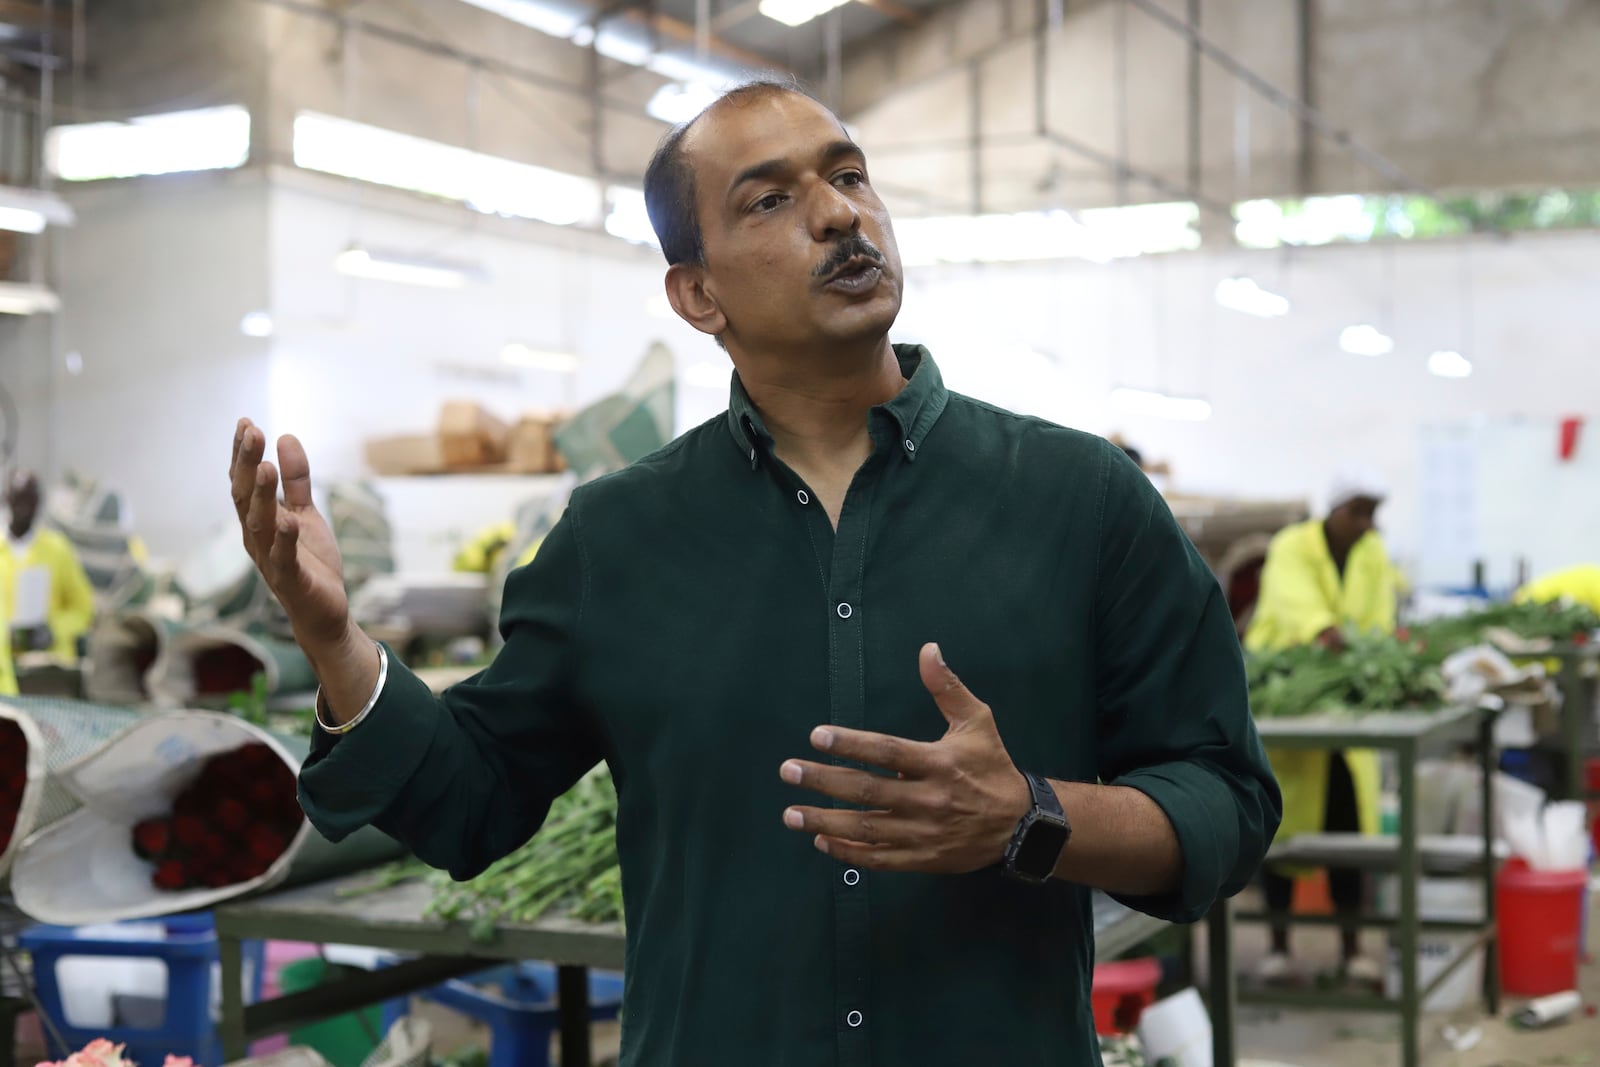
<point x="846" y="250"/>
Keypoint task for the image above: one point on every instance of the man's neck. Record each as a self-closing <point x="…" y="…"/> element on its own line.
<point x="817" y="414"/>
<point x="19" y="532"/>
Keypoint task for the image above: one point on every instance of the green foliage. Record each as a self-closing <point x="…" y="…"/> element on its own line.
<point x="569" y="867"/>
<point x="1373" y="673"/>
<point x="1383" y="673"/>
<point x="251" y="705"/>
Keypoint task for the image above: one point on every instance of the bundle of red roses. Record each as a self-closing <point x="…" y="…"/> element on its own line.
<point x="228" y="826"/>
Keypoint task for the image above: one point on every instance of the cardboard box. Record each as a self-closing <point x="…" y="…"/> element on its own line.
<point x="470" y="435"/>
<point x="532" y="446"/>
<point x="406" y="454"/>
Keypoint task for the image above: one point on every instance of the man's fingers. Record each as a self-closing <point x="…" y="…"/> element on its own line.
<point x="285" y="563"/>
<point x="296" y="472"/>
<point x="870" y="856"/>
<point x="861" y="788"/>
<point x="260" y="522"/>
<point x="955" y="700"/>
<point x="913" y="758"/>
<point x="867" y="827"/>
<point x="247" y="445"/>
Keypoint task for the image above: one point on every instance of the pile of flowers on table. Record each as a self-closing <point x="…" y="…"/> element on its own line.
<point x="102" y="1053"/>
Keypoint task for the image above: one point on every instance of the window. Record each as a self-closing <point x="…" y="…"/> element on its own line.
<point x="490" y="184"/>
<point x="216" y="138"/>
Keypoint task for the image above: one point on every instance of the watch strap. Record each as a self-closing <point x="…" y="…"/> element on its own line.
<point x="1044" y="795"/>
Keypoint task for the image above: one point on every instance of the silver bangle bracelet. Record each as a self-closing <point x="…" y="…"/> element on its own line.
<point x="372" y="701"/>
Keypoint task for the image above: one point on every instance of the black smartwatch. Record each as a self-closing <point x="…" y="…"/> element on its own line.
<point x="1041" y="835"/>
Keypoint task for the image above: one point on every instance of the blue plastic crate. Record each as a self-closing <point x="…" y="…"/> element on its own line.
<point x="518" y="1004"/>
<point x="179" y="1023"/>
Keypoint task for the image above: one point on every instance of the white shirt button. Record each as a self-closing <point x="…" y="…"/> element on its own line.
<point x="845" y="611"/>
<point x="852" y="876"/>
<point x="911" y="446"/>
<point x="853" y="1020"/>
<point x="803" y="496"/>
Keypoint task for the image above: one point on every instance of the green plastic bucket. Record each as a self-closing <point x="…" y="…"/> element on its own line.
<point x="344" y="1040"/>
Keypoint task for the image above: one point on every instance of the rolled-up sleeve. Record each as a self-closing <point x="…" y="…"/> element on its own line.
<point x="1173" y="712"/>
<point x="465" y="777"/>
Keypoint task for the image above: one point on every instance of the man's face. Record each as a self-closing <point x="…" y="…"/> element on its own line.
<point x="1352" y="521"/>
<point x="22" y="497"/>
<point x="799" y="249"/>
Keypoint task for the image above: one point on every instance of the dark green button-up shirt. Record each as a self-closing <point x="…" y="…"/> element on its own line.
<point x="692" y="618"/>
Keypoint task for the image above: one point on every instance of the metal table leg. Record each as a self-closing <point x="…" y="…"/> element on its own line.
<point x="1410" y="1000"/>
<point x="572" y="992"/>
<point x="1574" y="716"/>
<point x="1220" y="980"/>
<point x="1491" y="950"/>
<point x="231" y="1027"/>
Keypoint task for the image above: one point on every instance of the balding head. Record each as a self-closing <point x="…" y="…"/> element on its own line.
<point x="777" y="244"/>
<point x="669" y="180"/>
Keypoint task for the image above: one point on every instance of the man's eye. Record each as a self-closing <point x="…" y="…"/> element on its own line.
<point x="770" y="202"/>
<point x="853" y="177"/>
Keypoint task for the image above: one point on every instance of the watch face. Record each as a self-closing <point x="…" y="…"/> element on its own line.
<point x="1040" y="848"/>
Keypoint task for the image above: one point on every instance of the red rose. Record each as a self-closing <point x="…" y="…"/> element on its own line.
<point x="231" y="815"/>
<point x="152" y="838"/>
<point x="265" y="843"/>
<point x="170" y="875"/>
<point x="188" y="830"/>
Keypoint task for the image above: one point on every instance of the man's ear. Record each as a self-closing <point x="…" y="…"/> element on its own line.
<point x="687" y="292"/>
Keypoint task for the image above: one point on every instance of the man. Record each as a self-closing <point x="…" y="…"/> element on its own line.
<point x="1322" y="578"/>
<point x="759" y="629"/>
<point x="44" y="571"/>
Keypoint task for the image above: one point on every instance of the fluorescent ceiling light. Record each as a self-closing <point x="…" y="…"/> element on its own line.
<point x="707" y="375"/>
<point x="256" y="324"/>
<point x="490" y="184"/>
<point x="798" y="12"/>
<point x="679" y="102"/>
<point x="521" y="355"/>
<point x="1449" y="364"/>
<point x="216" y="138"/>
<point x="31" y="210"/>
<point x="659" y="307"/>
<point x="628" y="218"/>
<point x="1365" y="340"/>
<point x="18" y="299"/>
<point x="631" y="42"/>
<point x="1099" y="235"/>
<point x="361" y="263"/>
<point x="1161" y="405"/>
<point x="1245" y="295"/>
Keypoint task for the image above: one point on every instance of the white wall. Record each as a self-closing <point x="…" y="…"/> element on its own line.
<point x="357" y="358"/>
<point x="1289" y="406"/>
<point x="155" y="278"/>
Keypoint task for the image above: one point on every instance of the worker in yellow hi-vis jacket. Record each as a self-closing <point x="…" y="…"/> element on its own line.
<point x="42" y="571"/>
<point x="1322" y="577"/>
<point x="1580" y="584"/>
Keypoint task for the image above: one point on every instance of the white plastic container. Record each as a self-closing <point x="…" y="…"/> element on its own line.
<point x="1438" y="899"/>
<point x="1177" y="1028"/>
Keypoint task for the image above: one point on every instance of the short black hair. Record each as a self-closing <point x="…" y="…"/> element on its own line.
<point x="669" y="189"/>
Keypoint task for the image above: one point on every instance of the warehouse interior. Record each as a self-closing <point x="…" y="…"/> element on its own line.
<point x="1290" y="255"/>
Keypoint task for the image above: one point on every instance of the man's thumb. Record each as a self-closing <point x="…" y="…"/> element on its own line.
<point x="953" y="698"/>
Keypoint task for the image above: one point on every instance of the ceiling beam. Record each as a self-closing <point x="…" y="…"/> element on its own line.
<point x="32" y="14"/>
<point x="684" y="33"/>
<point x="905" y="16"/>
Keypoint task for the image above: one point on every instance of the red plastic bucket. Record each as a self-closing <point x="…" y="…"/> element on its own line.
<point x="1540" y="914"/>
<point x="1120" y="992"/>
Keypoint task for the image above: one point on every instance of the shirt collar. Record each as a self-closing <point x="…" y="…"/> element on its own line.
<point x="911" y="413"/>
